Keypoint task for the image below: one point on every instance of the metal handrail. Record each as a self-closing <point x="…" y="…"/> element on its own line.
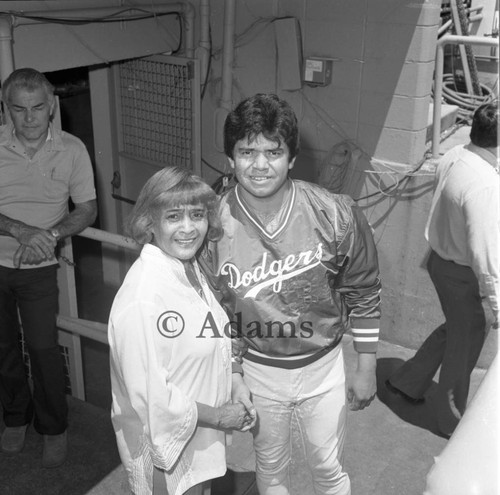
<point x="108" y="237"/>
<point x="448" y="39"/>
<point x="86" y="328"/>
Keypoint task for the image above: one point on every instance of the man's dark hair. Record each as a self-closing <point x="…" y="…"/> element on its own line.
<point x="484" y="131"/>
<point x="264" y="114"/>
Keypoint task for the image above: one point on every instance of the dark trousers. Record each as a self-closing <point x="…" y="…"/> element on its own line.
<point x="34" y="294"/>
<point x="455" y="345"/>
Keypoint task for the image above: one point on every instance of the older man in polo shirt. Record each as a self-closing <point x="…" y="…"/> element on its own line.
<point x="40" y="169"/>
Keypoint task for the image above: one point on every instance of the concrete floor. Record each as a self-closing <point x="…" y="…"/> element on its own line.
<point x="389" y="450"/>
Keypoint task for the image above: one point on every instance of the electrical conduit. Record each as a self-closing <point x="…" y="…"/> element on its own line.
<point x="226" y="101"/>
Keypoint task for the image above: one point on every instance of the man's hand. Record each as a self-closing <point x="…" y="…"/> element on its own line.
<point x="241" y="394"/>
<point x="234" y="417"/>
<point x="26" y="255"/>
<point x="41" y="242"/>
<point x="363" y="384"/>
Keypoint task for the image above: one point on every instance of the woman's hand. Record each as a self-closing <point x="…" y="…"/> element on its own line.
<point x="234" y="417"/>
<point x="241" y="394"/>
<point x="230" y="416"/>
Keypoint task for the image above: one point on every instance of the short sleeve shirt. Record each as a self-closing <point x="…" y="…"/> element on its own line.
<point x="36" y="190"/>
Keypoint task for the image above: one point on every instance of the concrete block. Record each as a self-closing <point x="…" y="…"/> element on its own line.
<point x="332" y="104"/>
<point x="264" y="45"/>
<point x="340" y="10"/>
<point x="398" y="42"/>
<point x="401" y="148"/>
<point x="334" y="39"/>
<point x="307" y="165"/>
<point x="400" y="112"/>
<point x="409" y="12"/>
<point x="317" y="132"/>
<point x="405" y="79"/>
<point x="248" y="64"/>
<point x="449" y="114"/>
<point x="296" y="8"/>
<point x="257" y="9"/>
<point x="347" y="73"/>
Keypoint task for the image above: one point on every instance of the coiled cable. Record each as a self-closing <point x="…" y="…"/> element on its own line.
<point x="454" y="93"/>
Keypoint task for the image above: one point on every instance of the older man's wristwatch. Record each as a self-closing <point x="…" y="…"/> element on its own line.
<point x="55" y="233"/>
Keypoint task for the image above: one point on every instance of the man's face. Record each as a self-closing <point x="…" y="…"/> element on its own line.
<point x="261" y="167"/>
<point x="30" y="112"/>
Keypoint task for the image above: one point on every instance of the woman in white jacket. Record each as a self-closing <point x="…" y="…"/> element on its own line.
<point x="169" y="347"/>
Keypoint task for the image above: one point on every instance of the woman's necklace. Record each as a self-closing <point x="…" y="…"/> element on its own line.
<point x="193" y="278"/>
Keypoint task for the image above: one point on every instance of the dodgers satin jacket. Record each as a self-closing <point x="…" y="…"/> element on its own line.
<point x="298" y="290"/>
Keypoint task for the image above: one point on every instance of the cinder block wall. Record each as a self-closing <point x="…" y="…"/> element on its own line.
<point x="377" y="104"/>
<point x="383" y="62"/>
<point x="397" y="78"/>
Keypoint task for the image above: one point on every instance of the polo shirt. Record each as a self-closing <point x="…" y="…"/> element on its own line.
<point x="36" y="190"/>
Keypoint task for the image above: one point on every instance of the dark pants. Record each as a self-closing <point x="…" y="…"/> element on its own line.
<point x="455" y="345"/>
<point x="34" y="293"/>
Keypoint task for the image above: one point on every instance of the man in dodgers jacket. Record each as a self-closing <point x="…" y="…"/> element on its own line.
<point x="297" y="267"/>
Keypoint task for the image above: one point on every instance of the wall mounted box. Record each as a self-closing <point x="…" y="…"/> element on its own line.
<point x="318" y="71"/>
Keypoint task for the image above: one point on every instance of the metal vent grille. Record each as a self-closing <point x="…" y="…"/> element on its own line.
<point x="156" y="105"/>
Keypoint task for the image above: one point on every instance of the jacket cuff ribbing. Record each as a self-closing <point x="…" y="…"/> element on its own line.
<point x="365" y="334"/>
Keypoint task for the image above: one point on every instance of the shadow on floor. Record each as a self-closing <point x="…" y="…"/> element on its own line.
<point x="92" y="454"/>
<point x="235" y="484"/>
<point x="420" y="415"/>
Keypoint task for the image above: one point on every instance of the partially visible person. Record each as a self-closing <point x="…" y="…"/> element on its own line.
<point x="170" y="356"/>
<point x="296" y="268"/>
<point x="41" y="168"/>
<point x="463" y="231"/>
<point x="474" y="444"/>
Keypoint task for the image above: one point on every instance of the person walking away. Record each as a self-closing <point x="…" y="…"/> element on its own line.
<point x="463" y="232"/>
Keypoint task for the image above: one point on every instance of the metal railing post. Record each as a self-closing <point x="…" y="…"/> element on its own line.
<point x="71" y="328"/>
